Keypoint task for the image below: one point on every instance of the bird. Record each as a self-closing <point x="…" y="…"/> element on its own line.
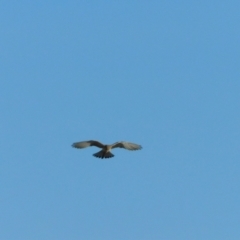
<point x="106" y="149"/>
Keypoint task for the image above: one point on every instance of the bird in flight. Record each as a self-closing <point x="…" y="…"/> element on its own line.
<point x="106" y="149"/>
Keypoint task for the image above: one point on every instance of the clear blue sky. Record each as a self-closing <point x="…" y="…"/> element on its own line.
<point x="163" y="74"/>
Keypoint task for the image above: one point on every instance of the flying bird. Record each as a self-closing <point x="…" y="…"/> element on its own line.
<point x="106" y="149"/>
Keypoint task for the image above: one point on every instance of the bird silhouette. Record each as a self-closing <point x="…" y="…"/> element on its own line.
<point x="106" y="149"/>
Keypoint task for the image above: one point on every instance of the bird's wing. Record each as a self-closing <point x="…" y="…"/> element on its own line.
<point x="126" y="145"/>
<point x="87" y="144"/>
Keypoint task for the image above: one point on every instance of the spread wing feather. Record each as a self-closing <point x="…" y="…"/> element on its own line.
<point x="89" y="143"/>
<point x="126" y="145"/>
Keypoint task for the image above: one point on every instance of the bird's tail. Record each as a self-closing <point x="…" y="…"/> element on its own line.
<point x="103" y="154"/>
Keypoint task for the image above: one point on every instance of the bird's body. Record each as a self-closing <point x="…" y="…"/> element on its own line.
<point x="106" y="149"/>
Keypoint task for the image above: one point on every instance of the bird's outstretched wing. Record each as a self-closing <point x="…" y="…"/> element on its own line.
<point x="89" y="143"/>
<point x="126" y="145"/>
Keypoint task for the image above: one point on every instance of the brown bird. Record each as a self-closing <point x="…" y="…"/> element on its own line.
<point x="105" y="152"/>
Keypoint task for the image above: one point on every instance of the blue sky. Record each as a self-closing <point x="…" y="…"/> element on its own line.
<point x="163" y="74"/>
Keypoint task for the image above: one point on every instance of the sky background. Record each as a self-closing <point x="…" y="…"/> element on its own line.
<point x="163" y="74"/>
